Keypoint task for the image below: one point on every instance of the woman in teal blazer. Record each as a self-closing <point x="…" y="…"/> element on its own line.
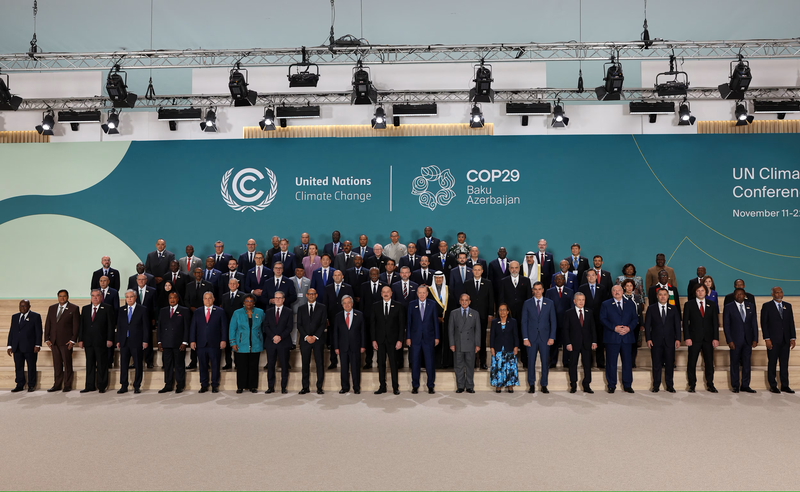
<point x="247" y="341"/>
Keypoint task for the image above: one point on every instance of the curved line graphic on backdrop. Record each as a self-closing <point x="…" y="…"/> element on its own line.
<point x="687" y="238"/>
<point x="698" y="219"/>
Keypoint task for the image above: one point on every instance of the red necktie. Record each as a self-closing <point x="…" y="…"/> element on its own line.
<point x="171" y="311"/>
<point x="559" y="292"/>
<point x="581" y="316"/>
<point x="94" y="311"/>
<point x="174" y="277"/>
<point x="541" y="259"/>
<point x="208" y="314"/>
<point x="702" y="309"/>
<point x="277" y="315"/>
<point x="347" y="319"/>
<point x="405" y="290"/>
<point x="258" y="274"/>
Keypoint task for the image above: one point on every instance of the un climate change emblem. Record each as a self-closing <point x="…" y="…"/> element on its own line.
<point x="246" y="194"/>
<point x="433" y="177"/>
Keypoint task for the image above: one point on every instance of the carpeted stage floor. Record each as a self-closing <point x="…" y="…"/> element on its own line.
<point x="407" y="442"/>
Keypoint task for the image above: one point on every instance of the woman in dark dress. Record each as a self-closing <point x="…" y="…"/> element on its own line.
<point x="629" y="292"/>
<point x="504" y="341"/>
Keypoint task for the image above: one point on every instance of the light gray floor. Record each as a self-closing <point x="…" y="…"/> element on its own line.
<point x="443" y="441"/>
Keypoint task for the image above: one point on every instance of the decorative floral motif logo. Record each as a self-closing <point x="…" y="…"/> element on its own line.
<point x="245" y="194"/>
<point x="433" y="175"/>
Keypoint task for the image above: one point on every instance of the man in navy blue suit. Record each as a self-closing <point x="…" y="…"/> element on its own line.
<point x="362" y="249"/>
<point x="110" y="297"/>
<point x="423" y="337"/>
<point x="247" y="260"/>
<point x="777" y="327"/>
<point x="662" y="330"/>
<point x="539" y="325"/>
<point x="548" y="268"/>
<point x="173" y="338"/>
<point x="278" y="321"/>
<point x="322" y="276"/>
<point x="24" y="344"/>
<point x="459" y="276"/>
<point x="428" y="245"/>
<point x="231" y="273"/>
<point x="106" y="271"/>
<point x="256" y="276"/>
<point x="411" y="260"/>
<point x="332" y="248"/>
<point x="562" y="300"/>
<point x="619" y="319"/>
<point x="570" y="280"/>
<point x="133" y="333"/>
<point x="146" y="297"/>
<point x="278" y="282"/>
<point x="405" y="290"/>
<point x="207" y="335"/>
<point x="348" y="342"/>
<point x="220" y="257"/>
<point x="577" y="264"/>
<point x="157" y="262"/>
<point x="212" y="275"/>
<point x="741" y="332"/>
<point x="334" y="294"/>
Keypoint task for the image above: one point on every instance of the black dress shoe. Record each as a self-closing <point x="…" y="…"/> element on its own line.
<point x="691" y="389"/>
<point x="545" y="390"/>
<point x="367" y="366"/>
<point x="66" y="390"/>
<point x="53" y="389"/>
<point x="430" y="391"/>
<point x="470" y="390"/>
<point x="136" y="391"/>
<point x="396" y="392"/>
<point x="628" y="389"/>
<point x="269" y="391"/>
<point x="497" y="390"/>
<point x="226" y="367"/>
<point x="509" y="389"/>
<point x="735" y="390"/>
<point x="191" y="366"/>
<point x="380" y="391"/>
<point x="332" y="366"/>
<point x="460" y="390"/>
<point x="611" y="390"/>
<point x="131" y="366"/>
<point x="552" y="366"/>
<point x="239" y="391"/>
<point x="304" y="391"/>
<point x="122" y="390"/>
<point x="215" y="389"/>
<point x="343" y="391"/>
<point x="165" y="390"/>
<point x="102" y="391"/>
<point x="358" y="391"/>
<point x="149" y="366"/>
<point x="588" y="390"/>
<point x="203" y="389"/>
<point x="484" y="367"/>
<point x="320" y="391"/>
<point x="747" y="389"/>
<point x="670" y="389"/>
<point x="284" y="391"/>
<point x="414" y="391"/>
<point x="18" y="389"/>
<point x="572" y="389"/>
<point x="253" y="390"/>
<point x="266" y="367"/>
<point x="654" y="389"/>
<point x="179" y="390"/>
<point x="787" y="389"/>
<point x="531" y="389"/>
<point x="712" y="389"/>
<point x="772" y="389"/>
<point x="84" y="390"/>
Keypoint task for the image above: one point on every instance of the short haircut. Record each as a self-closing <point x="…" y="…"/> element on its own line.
<point x="578" y="294"/>
<point x="537" y="283"/>
<point x="276" y="264"/>
<point x="625" y="267"/>
<point x="461" y="253"/>
<point x="628" y="281"/>
<point x="95" y="290"/>
<point x="249" y="296"/>
<point x="208" y="293"/>
<point x="597" y="256"/>
<point x="326" y="255"/>
<point x="347" y="296"/>
<point x="64" y="291"/>
<point x="405" y="267"/>
<point x="283" y="296"/>
<point x="575" y="244"/>
<point x="664" y="272"/>
<point x="130" y="291"/>
<point x="393" y="262"/>
<point x="660" y="289"/>
<point x="701" y="286"/>
<point x="737" y="289"/>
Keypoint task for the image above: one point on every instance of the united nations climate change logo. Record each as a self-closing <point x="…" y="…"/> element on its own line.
<point x="246" y="194"/>
<point x="433" y="177"/>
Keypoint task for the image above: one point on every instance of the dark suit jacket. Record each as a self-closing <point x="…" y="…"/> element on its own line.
<point x="156" y="266"/>
<point x="397" y="292"/>
<point x="96" y="333"/>
<point x="480" y="261"/>
<point x="178" y="285"/>
<point x="311" y="326"/>
<point x="230" y="306"/>
<point x="387" y="329"/>
<point x="251" y="282"/>
<point x="150" y="302"/>
<point x="342" y="264"/>
<point x="580" y="337"/>
<point x="64" y="330"/>
<point x="385" y="277"/>
<point x="151" y="281"/>
<point x="350" y="340"/>
<point x="226" y="277"/>
<point x="299" y="253"/>
<point x="562" y="303"/>
<point x="113" y="300"/>
<point x="375" y="262"/>
<point x="214" y="280"/>
<point x="355" y="279"/>
<point x="690" y="295"/>
<point x="113" y="278"/>
<point x="173" y="331"/>
<point x="136" y="332"/>
<point x="436" y="263"/>
<point x="736" y="330"/>
<point x="364" y="254"/>
<point x="548" y="268"/>
<point x="605" y="279"/>
<point x="194" y="296"/>
<point x="222" y="263"/>
<point x="416" y="276"/>
<point x="571" y="281"/>
<point x="269" y="255"/>
<point x="775" y="328"/>
<point x="211" y="333"/>
<point x="281" y="328"/>
<point x="482" y="300"/>
<point x="700" y="328"/>
<point x="286" y="286"/>
<point x="316" y="280"/>
<point x="244" y="263"/>
<point x="748" y="297"/>
<point x="500" y="338"/>
<point x="423" y="249"/>
<point x="514" y="297"/>
<point x="660" y="331"/>
<point x="406" y="260"/>
<point x="611" y="317"/>
<point x="593" y="303"/>
<point x="495" y="271"/>
<point x="455" y="283"/>
<point x="328" y="249"/>
<point x="583" y="265"/>
<point x="652" y="296"/>
<point x="26" y="336"/>
<point x="333" y="301"/>
<point x="368" y="299"/>
<point x="422" y="330"/>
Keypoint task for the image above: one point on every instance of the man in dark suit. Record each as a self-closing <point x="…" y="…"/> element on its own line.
<point x="442" y="260"/>
<point x="405" y="290"/>
<point x="106" y="271"/>
<point x="212" y="275"/>
<point x="594" y="295"/>
<point x="322" y="276"/>
<point x="151" y="280"/>
<point x="346" y="258"/>
<point x="499" y="268"/>
<point x="602" y="275"/>
<point x="475" y="259"/>
<point x="278" y="283"/>
<point x="276" y="247"/>
<point x="570" y="279"/>
<point x="133" y="332"/>
<point x="546" y="264"/>
<point x="176" y="278"/>
<point x="256" y="276"/>
<point x="619" y="319"/>
<point x="247" y="260"/>
<point x="378" y="259"/>
<point x="428" y="245"/>
<point x="146" y="297"/>
<point x="208" y="334"/>
<point x="332" y="248"/>
<point x="60" y="334"/>
<point x="362" y="249"/>
<point x="538" y="334"/>
<point x="577" y="264"/>
<point x="231" y="273"/>
<point x="741" y="332"/>
<point x="739" y="284"/>
<point x="311" y="322"/>
<point x="580" y="338"/>
<point x="514" y="290"/>
<point x="481" y="294"/>
<point x="562" y="300"/>
<point x="220" y="257"/>
<point x="278" y="321"/>
<point x="157" y="262"/>
<point x="663" y="283"/>
<point x="387" y="329"/>
<point x="369" y="294"/>
<point x="460" y="275"/>
<point x="662" y="330"/>
<point x="95" y="337"/>
<point x="425" y="274"/>
<point x="285" y="257"/>
<point x="111" y="297"/>
<point x="411" y="259"/>
<point x="701" y="333"/>
<point x="356" y="276"/>
<point x="693" y="283"/>
<point x="390" y="276"/>
<point x="348" y="343"/>
<point x="334" y="293"/>
<point x="231" y="301"/>
<point x="777" y="327"/>
<point x="194" y="300"/>
<point x="24" y="344"/>
<point x="173" y="338"/>
<point x="422" y="337"/>
<point x="301" y="250"/>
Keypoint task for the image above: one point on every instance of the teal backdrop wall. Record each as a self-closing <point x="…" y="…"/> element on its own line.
<point x="729" y="202"/>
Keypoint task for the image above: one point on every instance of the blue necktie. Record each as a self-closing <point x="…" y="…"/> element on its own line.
<point x="324" y="276"/>
<point x="592" y="285"/>
<point x="463" y="275"/>
<point x="130" y="313"/>
<point x="337" y="290"/>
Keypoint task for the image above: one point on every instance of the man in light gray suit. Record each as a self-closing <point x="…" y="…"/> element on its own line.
<point x="301" y="286"/>
<point x="464" y="329"/>
<point x="189" y="262"/>
<point x="538" y="333"/>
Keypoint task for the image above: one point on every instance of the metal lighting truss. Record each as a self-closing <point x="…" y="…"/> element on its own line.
<point x="376" y="54"/>
<point x="391" y="97"/>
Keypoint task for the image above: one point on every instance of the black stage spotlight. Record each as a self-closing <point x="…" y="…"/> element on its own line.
<point x="75" y="118"/>
<point x="611" y="90"/>
<point x="777" y="107"/>
<point x="685" y="117"/>
<point x="678" y="85"/>
<point x="560" y="120"/>
<point x="363" y="90"/>
<point x="740" y="79"/>
<point x="268" y="122"/>
<point x="48" y="122"/>
<point x="379" y="121"/>
<point x="742" y="118"/>
<point x="237" y="84"/>
<point x="8" y="101"/>
<point x="210" y="124"/>
<point x="303" y="76"/>
<point x="111" y="126"/>
<point x="476" y="117"/>
<point x="482" y="92"/>
<point x="117" y="88"/>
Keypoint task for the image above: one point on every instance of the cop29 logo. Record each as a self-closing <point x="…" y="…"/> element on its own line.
<point x="434" y="187"/>
<point x="242" y="190"/>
